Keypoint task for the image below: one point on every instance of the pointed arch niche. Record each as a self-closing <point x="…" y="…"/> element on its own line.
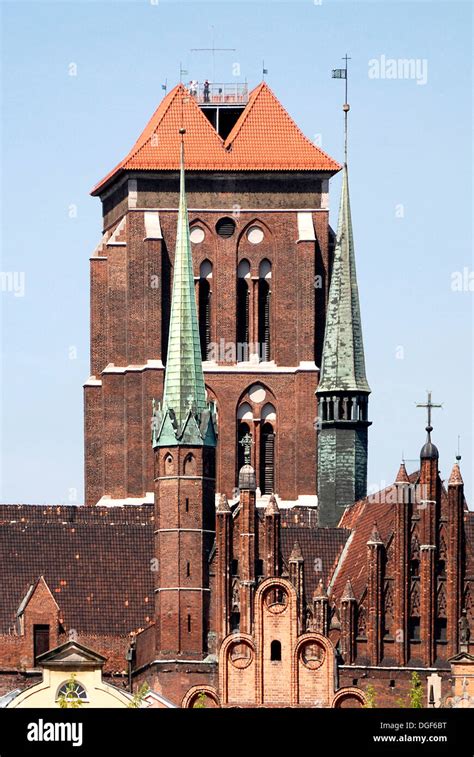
<point x="257" y="416"/>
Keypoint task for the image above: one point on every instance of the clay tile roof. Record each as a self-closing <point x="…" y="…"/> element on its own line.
<point x="377" y="508"/>
<point x="264" y="138"/>
<point x="98" y="591"/>
<point x="402" y="475"/>
<point x="321" y="549"/>
<point x="455" y="478"/>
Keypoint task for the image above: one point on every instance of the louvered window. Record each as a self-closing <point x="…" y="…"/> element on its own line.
<point x="264" y="319"/>
<point x="267" y="459"/>
<point x="204" y="316"/>
<point x="242" y="312"/>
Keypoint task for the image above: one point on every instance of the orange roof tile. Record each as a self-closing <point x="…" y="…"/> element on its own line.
<point x="265" y="137"/>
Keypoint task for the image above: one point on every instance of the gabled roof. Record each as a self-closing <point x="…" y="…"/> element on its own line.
<point x="265" y="137"/>
<point x="73" y="655"/>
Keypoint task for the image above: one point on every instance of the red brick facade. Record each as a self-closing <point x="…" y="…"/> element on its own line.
<point x="243" y="601"/>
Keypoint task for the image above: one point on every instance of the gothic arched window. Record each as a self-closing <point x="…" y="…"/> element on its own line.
<point x="204" y="307"/>
<point x="264" y="312"/>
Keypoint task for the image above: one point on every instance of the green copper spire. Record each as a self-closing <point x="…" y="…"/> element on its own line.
<point x="184" y="380"/>
<point x="343" y="364"/>
<point x="185" y="411"/>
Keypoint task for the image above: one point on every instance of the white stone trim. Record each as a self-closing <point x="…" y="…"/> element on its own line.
<point x="270" y="367"/>
<point x="132" y="193"/>
<point x="325" y="194"/>
<point x="108" y="501"/>
<point x="93" y="381"/>
<point x="152" y="225"/>
<point x="113" y="239"/>
<point x="231" y="211"/>
<point x="150" y="364"/>
<point x="305" y="227"/>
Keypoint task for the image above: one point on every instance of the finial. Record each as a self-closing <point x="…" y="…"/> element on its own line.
<point x="341" y="73"/>
<point x="296" y="553"/>
<point x="272" y="506"/>
<point x="429" y="405"/>
<point x="458" y="456"/>
<point x="429" y="450"/>
<point x="455" y="478"/>
<point x="246" y="443"/>
<point x="375" y="536"/>
<point x="348" y="593"/>
<point x="223" y="504"/>
<point x="402" y="475"/>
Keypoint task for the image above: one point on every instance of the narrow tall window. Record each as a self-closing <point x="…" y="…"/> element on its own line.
<point x="243" y="311"/>
<point x="441" y="625"/>
<point x="414" y="629"/>
<point x="189" y="623"/>
<point x="264" y="281"/>
<point x="204" y="307"/>
<point x="267" y="459"/>
<point x="275" y="651"/>
<point x="40" y="640"/>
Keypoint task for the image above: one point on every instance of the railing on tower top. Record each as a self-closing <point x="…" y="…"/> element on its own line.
<point x="219" y="94"/>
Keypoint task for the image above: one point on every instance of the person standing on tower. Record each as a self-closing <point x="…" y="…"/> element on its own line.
<point x="206" y="91"/>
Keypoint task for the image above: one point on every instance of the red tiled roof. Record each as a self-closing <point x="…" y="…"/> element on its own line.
<point x="360" y="519"/>
<point x="320" y="547"/>
<point x="95" y="561"/>
<point x="265" y="137"/>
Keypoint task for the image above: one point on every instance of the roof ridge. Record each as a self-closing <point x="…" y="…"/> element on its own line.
<point x="255" y="93"/>
<point x="237" y="127"/>
<point x="141" y="142"/>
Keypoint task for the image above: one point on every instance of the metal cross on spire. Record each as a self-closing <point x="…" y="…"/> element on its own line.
<point x="429" y="405"/>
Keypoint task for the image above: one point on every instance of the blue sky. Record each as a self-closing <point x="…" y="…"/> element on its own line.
<point x="411" y="193"/>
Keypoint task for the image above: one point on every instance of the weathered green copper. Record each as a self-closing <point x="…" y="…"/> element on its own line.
<point x="343" y="363"/>
<point x="184" y="416"/>
<point x="343" y="389"/>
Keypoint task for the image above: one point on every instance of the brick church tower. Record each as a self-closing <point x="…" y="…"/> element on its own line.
<point x="262" y="249"/>
<point x="184" y="442"/>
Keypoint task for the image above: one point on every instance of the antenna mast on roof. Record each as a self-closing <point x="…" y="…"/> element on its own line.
<point x="213" y="50"/>
<point x="182" y="72"/>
